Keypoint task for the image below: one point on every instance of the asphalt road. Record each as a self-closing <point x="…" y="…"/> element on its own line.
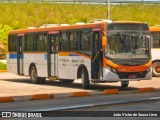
<point x="13" y="85"/>
<point x="92" y="106"/>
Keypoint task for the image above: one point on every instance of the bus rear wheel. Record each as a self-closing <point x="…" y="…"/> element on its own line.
<point x="124" y="84"/>
<point x="34" y="78"/>
<point x="85" y="79"/>
<point x="156" y="69"/>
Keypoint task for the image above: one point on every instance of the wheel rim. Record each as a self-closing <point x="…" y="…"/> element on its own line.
<point x="124" y="82"/>
<point x="157" y="69"/>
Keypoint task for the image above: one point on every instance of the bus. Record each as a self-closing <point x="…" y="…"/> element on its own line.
<point x="96" y="52"/>
<point x="155" y="32"/>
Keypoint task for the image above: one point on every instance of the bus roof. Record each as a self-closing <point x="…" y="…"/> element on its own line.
<point x="74" y="26"/>
<point x="44" y="29"/>
<point x="136" y="22"/>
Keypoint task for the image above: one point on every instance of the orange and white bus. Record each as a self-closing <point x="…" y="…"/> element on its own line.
<point x="98" y="52"/>
<point x="155" y="32"/>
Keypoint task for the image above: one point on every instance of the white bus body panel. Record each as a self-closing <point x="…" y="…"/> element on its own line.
<point x="155" y="54"/>
<point x="39" y="61"/>
<point x="28" y="59"/>
<point x="11" y="63"/>
<point x="54" y="65"/>
<point x="112" y="77"/>
<point x="68" y="66"/>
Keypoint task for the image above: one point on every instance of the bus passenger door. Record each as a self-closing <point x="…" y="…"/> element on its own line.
<point x="20" y="39"/>
<point x="52" y="61"/>
<point x="95" y="60"/>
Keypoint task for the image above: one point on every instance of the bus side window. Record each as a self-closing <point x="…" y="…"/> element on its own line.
<point x="12" y="43"/>
<point x="40" y="42"/>
<point x="156" y="40"/>
<point x="29" y="42"/>
<point x="73" y="40"/>
<point x="63" y="43"/>
<point x="85" y="42"/>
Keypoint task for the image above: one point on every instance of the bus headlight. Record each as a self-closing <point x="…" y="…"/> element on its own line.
<point x="111" y="69"/>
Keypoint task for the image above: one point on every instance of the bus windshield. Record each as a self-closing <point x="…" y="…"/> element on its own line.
<point x="129" y="46"/>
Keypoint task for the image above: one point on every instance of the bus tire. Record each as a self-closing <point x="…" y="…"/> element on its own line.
<point x="85" y="79"/>
<point x="33" y="75"/>
<point x="124" y="84"/>
<point x="156" y="69"/>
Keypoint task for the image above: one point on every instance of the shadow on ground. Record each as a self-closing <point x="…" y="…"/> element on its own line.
<point x="57" y="83"/>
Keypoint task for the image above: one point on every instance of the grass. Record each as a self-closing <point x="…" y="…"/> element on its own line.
<point x="22" y="15"/>
<point x="3" y="66"/>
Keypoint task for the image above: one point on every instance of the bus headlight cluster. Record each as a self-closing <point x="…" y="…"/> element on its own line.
<point x="111" y="69"/>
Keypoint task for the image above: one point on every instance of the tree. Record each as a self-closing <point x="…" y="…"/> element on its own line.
<point x="4" y="29"/>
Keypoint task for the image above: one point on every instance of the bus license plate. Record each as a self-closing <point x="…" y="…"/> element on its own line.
<point x="132" y="76"/>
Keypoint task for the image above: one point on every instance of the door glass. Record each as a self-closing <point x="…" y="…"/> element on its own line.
<point x="54" y="44"/>
<point x="95" y="70"/>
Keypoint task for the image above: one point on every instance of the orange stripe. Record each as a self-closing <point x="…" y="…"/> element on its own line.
<point x="57" y="28"/>
<point x="35" y="52"/>
<point x="129" y="68"/>
<point x="67" y="54"/>
<point x="63" y="54"/>
<point x="154" y="29"/>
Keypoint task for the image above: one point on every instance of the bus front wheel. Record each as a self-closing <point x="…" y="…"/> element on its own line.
<point x="124" y="84"/>
<point x="156" y="69"/>
<point x="85" y="79"/>
<point x="34" y="78"/>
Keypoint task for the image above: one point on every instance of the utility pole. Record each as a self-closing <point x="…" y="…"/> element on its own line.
<point x="108" y="4"/>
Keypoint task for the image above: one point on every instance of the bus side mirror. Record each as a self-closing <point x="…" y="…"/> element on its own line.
<point x="104" y="44"/>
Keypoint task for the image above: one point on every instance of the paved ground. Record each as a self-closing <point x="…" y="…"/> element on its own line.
<point x="13" y="85"/>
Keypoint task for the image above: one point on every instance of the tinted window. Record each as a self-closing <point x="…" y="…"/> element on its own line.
<point x="156" y="39"/>
<point x="40" y="43"/>
<point x="73" y="40"/>
<point x="127" y="26"/>
<point x="29" y="41"/>
<point x="63" y="43"/>
<point x="12" y="43"/>
<point x="85" y="40"/>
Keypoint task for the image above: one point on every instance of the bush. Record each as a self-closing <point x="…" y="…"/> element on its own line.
<point x="4" y="29"/>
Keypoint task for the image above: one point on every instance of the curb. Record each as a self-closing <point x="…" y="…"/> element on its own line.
<point x="74" y="94"/>
<point x="149" y="89"/>
<point x="110" y="91"/>
<point x="6" y="99"/>
<point x="80" y="94"/>
<point x="41" y="97"/>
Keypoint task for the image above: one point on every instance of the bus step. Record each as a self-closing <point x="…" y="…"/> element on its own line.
<point x="52" y="78"/>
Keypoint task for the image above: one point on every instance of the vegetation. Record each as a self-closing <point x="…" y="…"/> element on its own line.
<point x="3" y="66"/>
<point x="23" y="15"/>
